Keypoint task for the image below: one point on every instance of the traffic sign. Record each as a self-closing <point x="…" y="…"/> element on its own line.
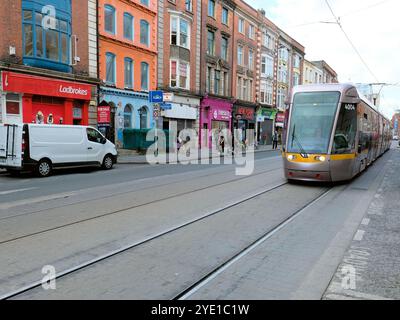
<point x="166" y="106"/>
<point x="156" y="96"/>
<point x="168" y="97"/>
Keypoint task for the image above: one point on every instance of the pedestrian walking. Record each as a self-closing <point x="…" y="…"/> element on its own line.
<point x="222" y="143"/>
<point x="275" y="140"/>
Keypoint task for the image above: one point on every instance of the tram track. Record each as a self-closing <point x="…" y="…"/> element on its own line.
<point x="198" y="285"/>
<point x="127" y="192"/>
<point x="119" y="211"/>
<point x="72" y="270"/>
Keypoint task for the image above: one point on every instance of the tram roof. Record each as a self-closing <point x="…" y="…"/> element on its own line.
<point x="340" y="87"/>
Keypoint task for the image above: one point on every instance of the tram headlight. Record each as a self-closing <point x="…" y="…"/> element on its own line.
<point x="291" y="157"/>
<point x="320" y="158"/>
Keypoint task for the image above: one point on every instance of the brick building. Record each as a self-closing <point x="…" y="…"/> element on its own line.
<point x="127" y="63"/>
<point x="179" y="27"/>
<point x="289" y="68"/>
<point x="266" y="85"/>
<point x="395" y="124"/>
<point x="48" y="61"/>
<point x="217" y="68"/>
<point x="246" y="57"/>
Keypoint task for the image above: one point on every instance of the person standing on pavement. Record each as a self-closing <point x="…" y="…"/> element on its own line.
<point x="222" y="143"/>
<point x="275" y="140"/>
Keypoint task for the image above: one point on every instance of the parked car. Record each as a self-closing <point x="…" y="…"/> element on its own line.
<point x="396" y="138"/>
<point x="41" y="148"/>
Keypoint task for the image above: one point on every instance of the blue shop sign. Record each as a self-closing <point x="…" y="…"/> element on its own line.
<point x="156" y="96"/>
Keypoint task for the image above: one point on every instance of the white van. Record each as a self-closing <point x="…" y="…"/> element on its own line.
<point x="42" y="148"/>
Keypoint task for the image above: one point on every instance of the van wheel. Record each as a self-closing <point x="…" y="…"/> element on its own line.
<point x="108" y="162"/>
<point x="43" y="169"/>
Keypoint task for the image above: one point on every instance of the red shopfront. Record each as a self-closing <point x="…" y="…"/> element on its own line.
<point x="49" y="101"/>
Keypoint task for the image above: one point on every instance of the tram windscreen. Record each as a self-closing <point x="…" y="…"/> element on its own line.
<point x="311" y="123"/>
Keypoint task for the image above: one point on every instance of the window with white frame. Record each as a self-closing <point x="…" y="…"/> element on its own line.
<point x="239" y="88"/>
<point x="225" y="16"/>
<point x="284" y="54"/>
<point x="211" y="8"/>
<point x="245" y="89"/>
<point x="296" y="79"/>
<point x="250" y="91"/>
<point x="180" y="74"/>
<point x="188" y="5"/>
<point x="224" y="48"/>
<point x="240" y="55"/>
<point x="252" y="32"/>
<point x="241" y="25"/>
<point x="281" y="98"/>
<point x="180" y="32"/>
<point x="266" y="88"/>
<point x="296" y="62"/>
<point x="282" y="74"/>
<point x="266" y="39"/>
<point x="251" y="59"/>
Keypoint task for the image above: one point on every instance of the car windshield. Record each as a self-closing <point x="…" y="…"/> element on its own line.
<point x="311" y="122"/>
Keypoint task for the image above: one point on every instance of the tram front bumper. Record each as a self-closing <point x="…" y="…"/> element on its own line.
<point x="303" y="171"/>
<point x="317" y="176"/>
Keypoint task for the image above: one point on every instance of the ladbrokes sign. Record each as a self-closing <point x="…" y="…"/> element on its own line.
<point x="23" y="83"/>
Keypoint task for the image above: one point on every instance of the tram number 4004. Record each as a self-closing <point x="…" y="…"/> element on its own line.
<point x="350" y="107"/>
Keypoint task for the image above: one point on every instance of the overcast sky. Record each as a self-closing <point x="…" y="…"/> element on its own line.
<point x="372" y="25"/>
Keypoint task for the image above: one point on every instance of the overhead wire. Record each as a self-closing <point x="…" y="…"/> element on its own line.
<point x="350" y="41"/>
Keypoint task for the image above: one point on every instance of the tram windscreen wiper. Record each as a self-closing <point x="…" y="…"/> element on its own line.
<point x="303" y="153"/>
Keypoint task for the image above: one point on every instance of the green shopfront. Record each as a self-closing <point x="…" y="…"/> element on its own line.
<point x="265" y="124"/>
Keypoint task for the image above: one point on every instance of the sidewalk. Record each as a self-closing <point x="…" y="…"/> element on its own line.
<point x="141" y="159"/>
<point x="374" y="253"/>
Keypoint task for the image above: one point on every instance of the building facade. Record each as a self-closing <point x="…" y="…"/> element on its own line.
<point x="179" y="28"/>
<point x="127" y="63"/>
<point x="329" y="75"/>
<point x="290" y="73"/>
<point x="245" y="67"/>
<point x="48" y="62"/>
<point x="216" y="73"/>
<point x="312" y="74"/>
<point x="266" y="84"/>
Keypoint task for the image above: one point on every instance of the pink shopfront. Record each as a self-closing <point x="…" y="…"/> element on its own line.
<point x="214" y="114"/>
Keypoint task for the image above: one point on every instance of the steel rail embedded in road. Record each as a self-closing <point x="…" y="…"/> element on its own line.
<point x="138" y="243"/>
<point x="217" y="271"/>
<point x="127" y="208"/>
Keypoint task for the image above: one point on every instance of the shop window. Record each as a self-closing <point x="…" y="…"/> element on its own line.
<point x="46" y="35"/>
<point x="128" y="116"/>
<point x="12" y="104"/>
<point x="143" y="114"/>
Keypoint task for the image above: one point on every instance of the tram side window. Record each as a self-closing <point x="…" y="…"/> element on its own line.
<point x="346" y="129"/>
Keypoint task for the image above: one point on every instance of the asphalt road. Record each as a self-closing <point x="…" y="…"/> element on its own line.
<point x="177" y="225"/>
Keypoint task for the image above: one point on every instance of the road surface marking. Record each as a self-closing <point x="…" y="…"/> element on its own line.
<point x="2" y="193"/>
<point x="365" y="222"/>
<point x="359" y="235"/>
